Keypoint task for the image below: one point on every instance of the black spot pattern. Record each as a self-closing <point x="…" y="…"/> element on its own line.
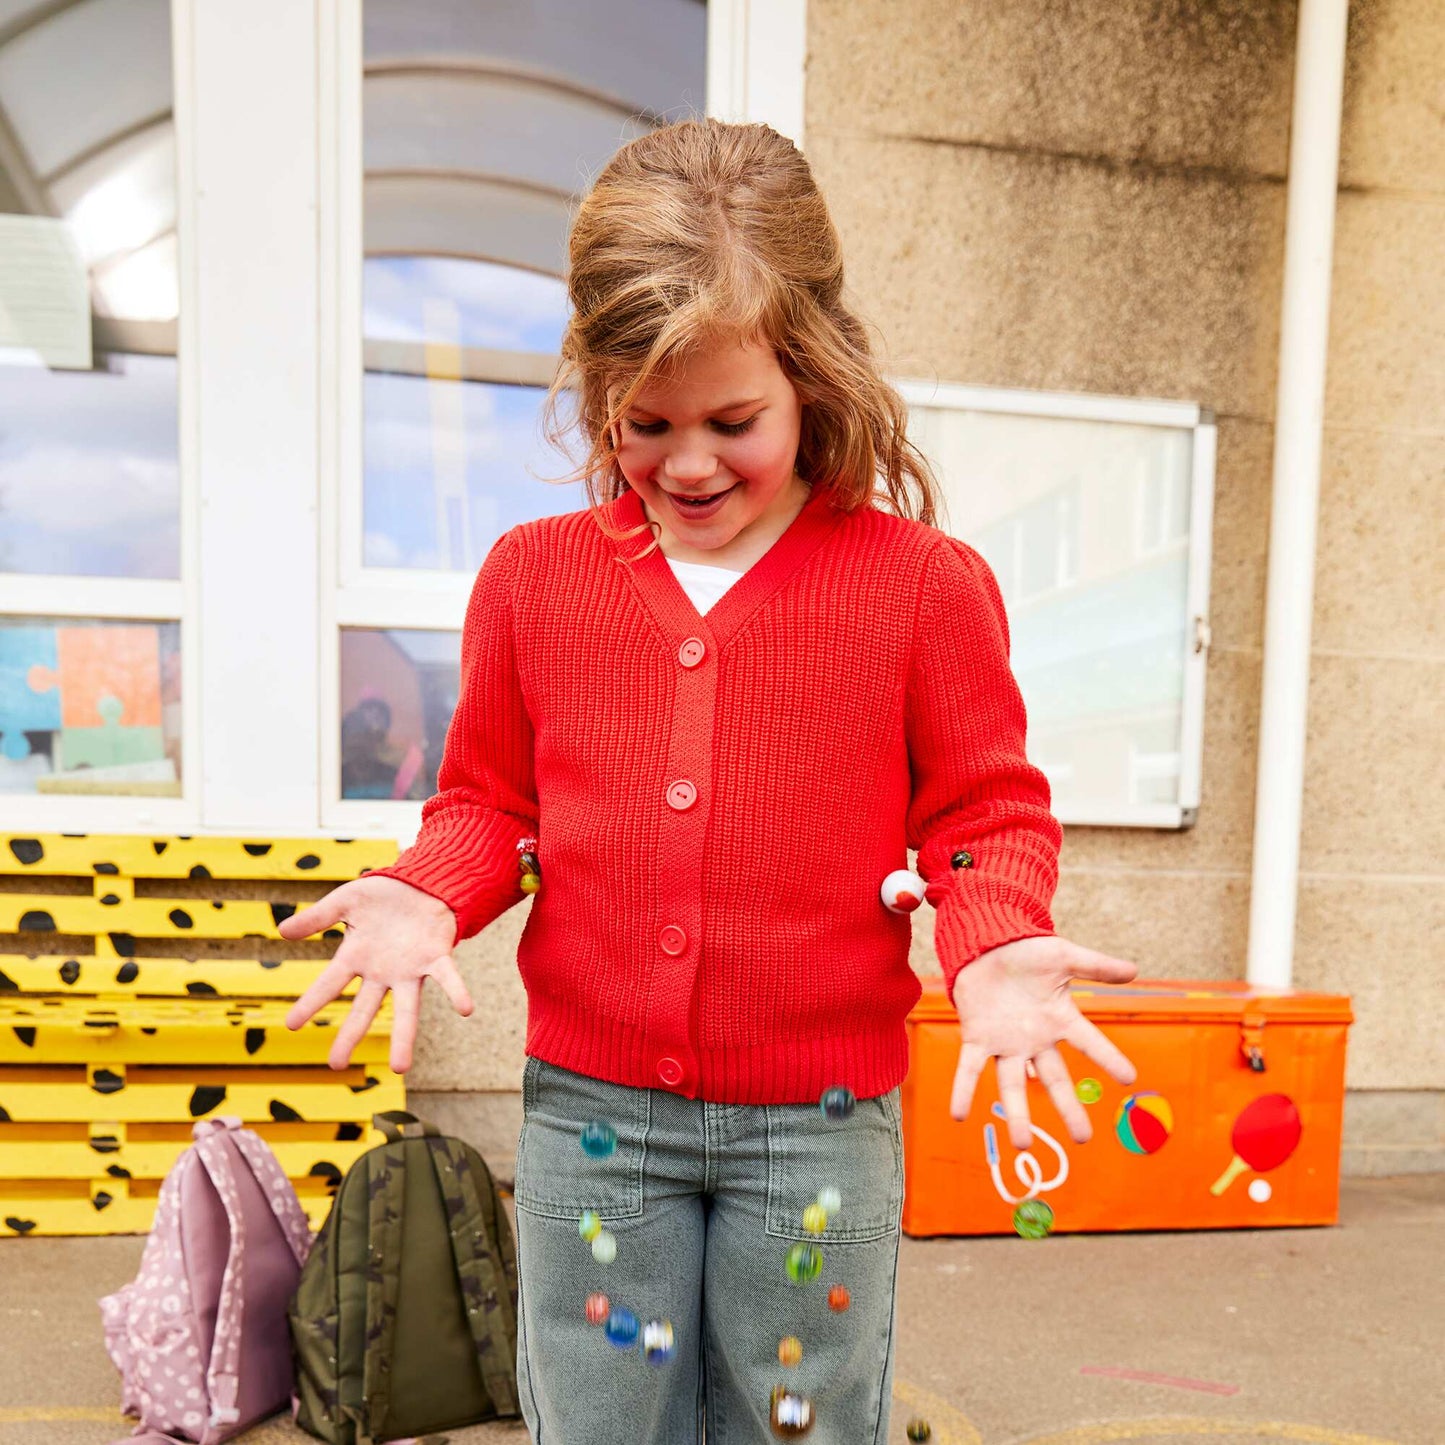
<point x="4" y="1115"/>
<point x="100" y="1200"/>
<point x="109" y="870"/>
<point x="265" y="963"/>
<point x="200" y="872"/>
<point x="124" y="944"/>
<point x="280" y="911"/>
<point x="217" y="904"/>
<point x="325" y="1169"/>
<point x="257" y="850"/>
<point x="160" y="845"/>
<point x="105" y="1143"/>
<point x="20" y="1226"/>
<point x="202" y="990"/>
<point x="110" y="900"/>
<point x="37" y="921"/>
<point x="27" y="850"/>
<point x="254" y="1039"/>
<point x="8" y="984"/>
<point x="70" y="970"/>
<point x="205" y="1097"/>
<point x="181" y="919"/>
<point x="117" y="1171"/>
<point x="362" y="1088"/>
<point x="107" y="1081"/>
<point x="148" y="1031"/>
<point x="308" y="860"/>
<point x="127" y="973"/>
<point x="348" y="1131"/>
<point x="26" y="1036"/>
<point x="284" y="1113"/>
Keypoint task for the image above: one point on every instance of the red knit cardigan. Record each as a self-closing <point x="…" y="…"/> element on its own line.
<point x="717" y="798"/>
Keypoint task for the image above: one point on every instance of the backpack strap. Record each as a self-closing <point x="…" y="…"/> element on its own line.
<point x="471" y="1224"/>
<point x="385" y="1203"/>
<point x="222" y="1370"/>
<point x="398" y="1124"/>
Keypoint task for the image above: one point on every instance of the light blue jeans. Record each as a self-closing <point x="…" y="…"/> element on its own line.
<point x="704" y="1201"/>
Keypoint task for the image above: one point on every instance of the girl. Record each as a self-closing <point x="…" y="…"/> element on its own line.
<point x="712" y="710"/>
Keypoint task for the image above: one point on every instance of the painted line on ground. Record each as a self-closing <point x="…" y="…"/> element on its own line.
<point x="1192" y="1426"/>
<point x="1148" y="1377"/>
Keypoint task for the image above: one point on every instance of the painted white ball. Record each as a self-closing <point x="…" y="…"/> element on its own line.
<point x="902" y="891"/>
<point x="1259" y="1190"/>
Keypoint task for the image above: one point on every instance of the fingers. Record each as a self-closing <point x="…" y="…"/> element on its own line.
<point x="316" y="918"/>
<point x="364" y="1008"/>
<point x="328" y="985"/>
<point x="1086" y="1037"/>
<point x="445" y="973"/>
<point x="971" y="1059"/>
<point x="1053" y="1074"/>
<point x="1100" y="967"/>
<point x="1013" y="1095"/>
<point x="407" y="1000"/>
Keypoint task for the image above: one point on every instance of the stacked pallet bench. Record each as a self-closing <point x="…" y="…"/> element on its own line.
<point x="143" y="986"/>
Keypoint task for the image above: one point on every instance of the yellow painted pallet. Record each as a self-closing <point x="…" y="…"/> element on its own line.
<point x="176" y="1031"/>
<point x="113" y="1206"/>
<point x="147" y="1151"/>
<point x="109" y="1053"/>
<point x="83" y="973"/>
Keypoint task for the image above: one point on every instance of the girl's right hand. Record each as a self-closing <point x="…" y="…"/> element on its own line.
<point x="396" y="936"/>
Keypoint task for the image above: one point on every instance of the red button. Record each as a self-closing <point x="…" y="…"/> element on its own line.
<point x="671" y="939"/>
<point x="681" y="795"/>
<point x="669" y="1071"/>
<point x="691" y="652"/>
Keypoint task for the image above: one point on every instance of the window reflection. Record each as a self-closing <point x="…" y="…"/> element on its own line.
<point x="398" y="691"/>
<point x="90" y="706"/>
<point x="89" y="477"/>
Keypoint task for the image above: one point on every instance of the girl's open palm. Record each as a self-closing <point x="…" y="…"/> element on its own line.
<point x="1014" y="1005"/>
<point x="396" y="936"/>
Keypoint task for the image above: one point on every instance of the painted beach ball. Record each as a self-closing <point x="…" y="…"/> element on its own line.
<point x="1144" y="1123"/>
<point x="1034" y="1219"/>
<point x="621" y="1328"/>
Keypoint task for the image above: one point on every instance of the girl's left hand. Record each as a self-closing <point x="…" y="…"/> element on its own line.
<point x="1014" y="1005"/>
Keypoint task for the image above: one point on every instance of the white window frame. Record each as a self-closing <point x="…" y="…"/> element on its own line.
<point x="755" y="59"/>
<point x="1078" y="406"/>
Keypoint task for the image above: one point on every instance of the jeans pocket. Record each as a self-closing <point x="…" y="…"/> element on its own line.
<point x="861" y="1157"/>
<point x="556" y="1177"/>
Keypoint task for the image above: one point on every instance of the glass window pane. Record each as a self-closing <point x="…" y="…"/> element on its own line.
<point x="398" y="693"/>
<point x="450" y="466"/>
<point x="89" y="474"/>
<point x="90" y="706"/>
<point x="1085" y="524"/>
<point x="482" y="126"/>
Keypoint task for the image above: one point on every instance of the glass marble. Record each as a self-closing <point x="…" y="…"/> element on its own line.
<point x="657" y="1342"/>
<point x="790" y="1414"/>
<point x="1090" y="1091"/>
<point x="815" y="1219"/>
<point x="839" y="1299"/>
<point x="589" y="1226"/>
<point x="830" y="1200"/>
<point x="919" y="1429"/>
<point x="598" y="1139"/>
<point x="837" y="1104"/>
<point x="790" y="1351"/>
<point x="598" y="1308"/>
<point x="1034" y="1219"/>
<point x="621" y="1328"/>
<point x="604" y="1248"/>
<point x="805" y="1263"/>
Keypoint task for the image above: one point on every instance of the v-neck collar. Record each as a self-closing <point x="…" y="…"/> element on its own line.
<point x="671" y="607"/>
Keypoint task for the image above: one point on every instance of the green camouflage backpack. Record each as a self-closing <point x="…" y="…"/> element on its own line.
<point x="405" y="1318"/>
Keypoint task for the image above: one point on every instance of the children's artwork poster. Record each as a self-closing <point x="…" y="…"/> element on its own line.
<point x="77" y="698"/>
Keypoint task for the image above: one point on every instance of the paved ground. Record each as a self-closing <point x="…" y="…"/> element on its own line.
<point x="1333" y="1336"/>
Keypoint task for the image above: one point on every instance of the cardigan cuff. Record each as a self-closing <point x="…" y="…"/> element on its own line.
<point x="978" y="913"/>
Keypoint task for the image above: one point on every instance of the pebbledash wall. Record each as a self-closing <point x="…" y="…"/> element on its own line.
<point x="1092" y="198"/>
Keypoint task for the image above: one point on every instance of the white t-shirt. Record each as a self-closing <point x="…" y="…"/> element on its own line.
<point x="703" y="583"/>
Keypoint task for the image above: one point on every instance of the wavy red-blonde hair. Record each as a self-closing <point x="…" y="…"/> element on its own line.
<point x="702" y="232"/>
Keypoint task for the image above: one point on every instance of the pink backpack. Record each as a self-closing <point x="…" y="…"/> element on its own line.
<point x="200" y="1337"/>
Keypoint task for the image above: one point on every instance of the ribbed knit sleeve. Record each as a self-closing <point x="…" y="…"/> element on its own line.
<point x="486" y="798"/>
<point x="973" y="788"/>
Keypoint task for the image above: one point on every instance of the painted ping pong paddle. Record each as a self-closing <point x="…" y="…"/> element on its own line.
<point x="1264" y="1136"/>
